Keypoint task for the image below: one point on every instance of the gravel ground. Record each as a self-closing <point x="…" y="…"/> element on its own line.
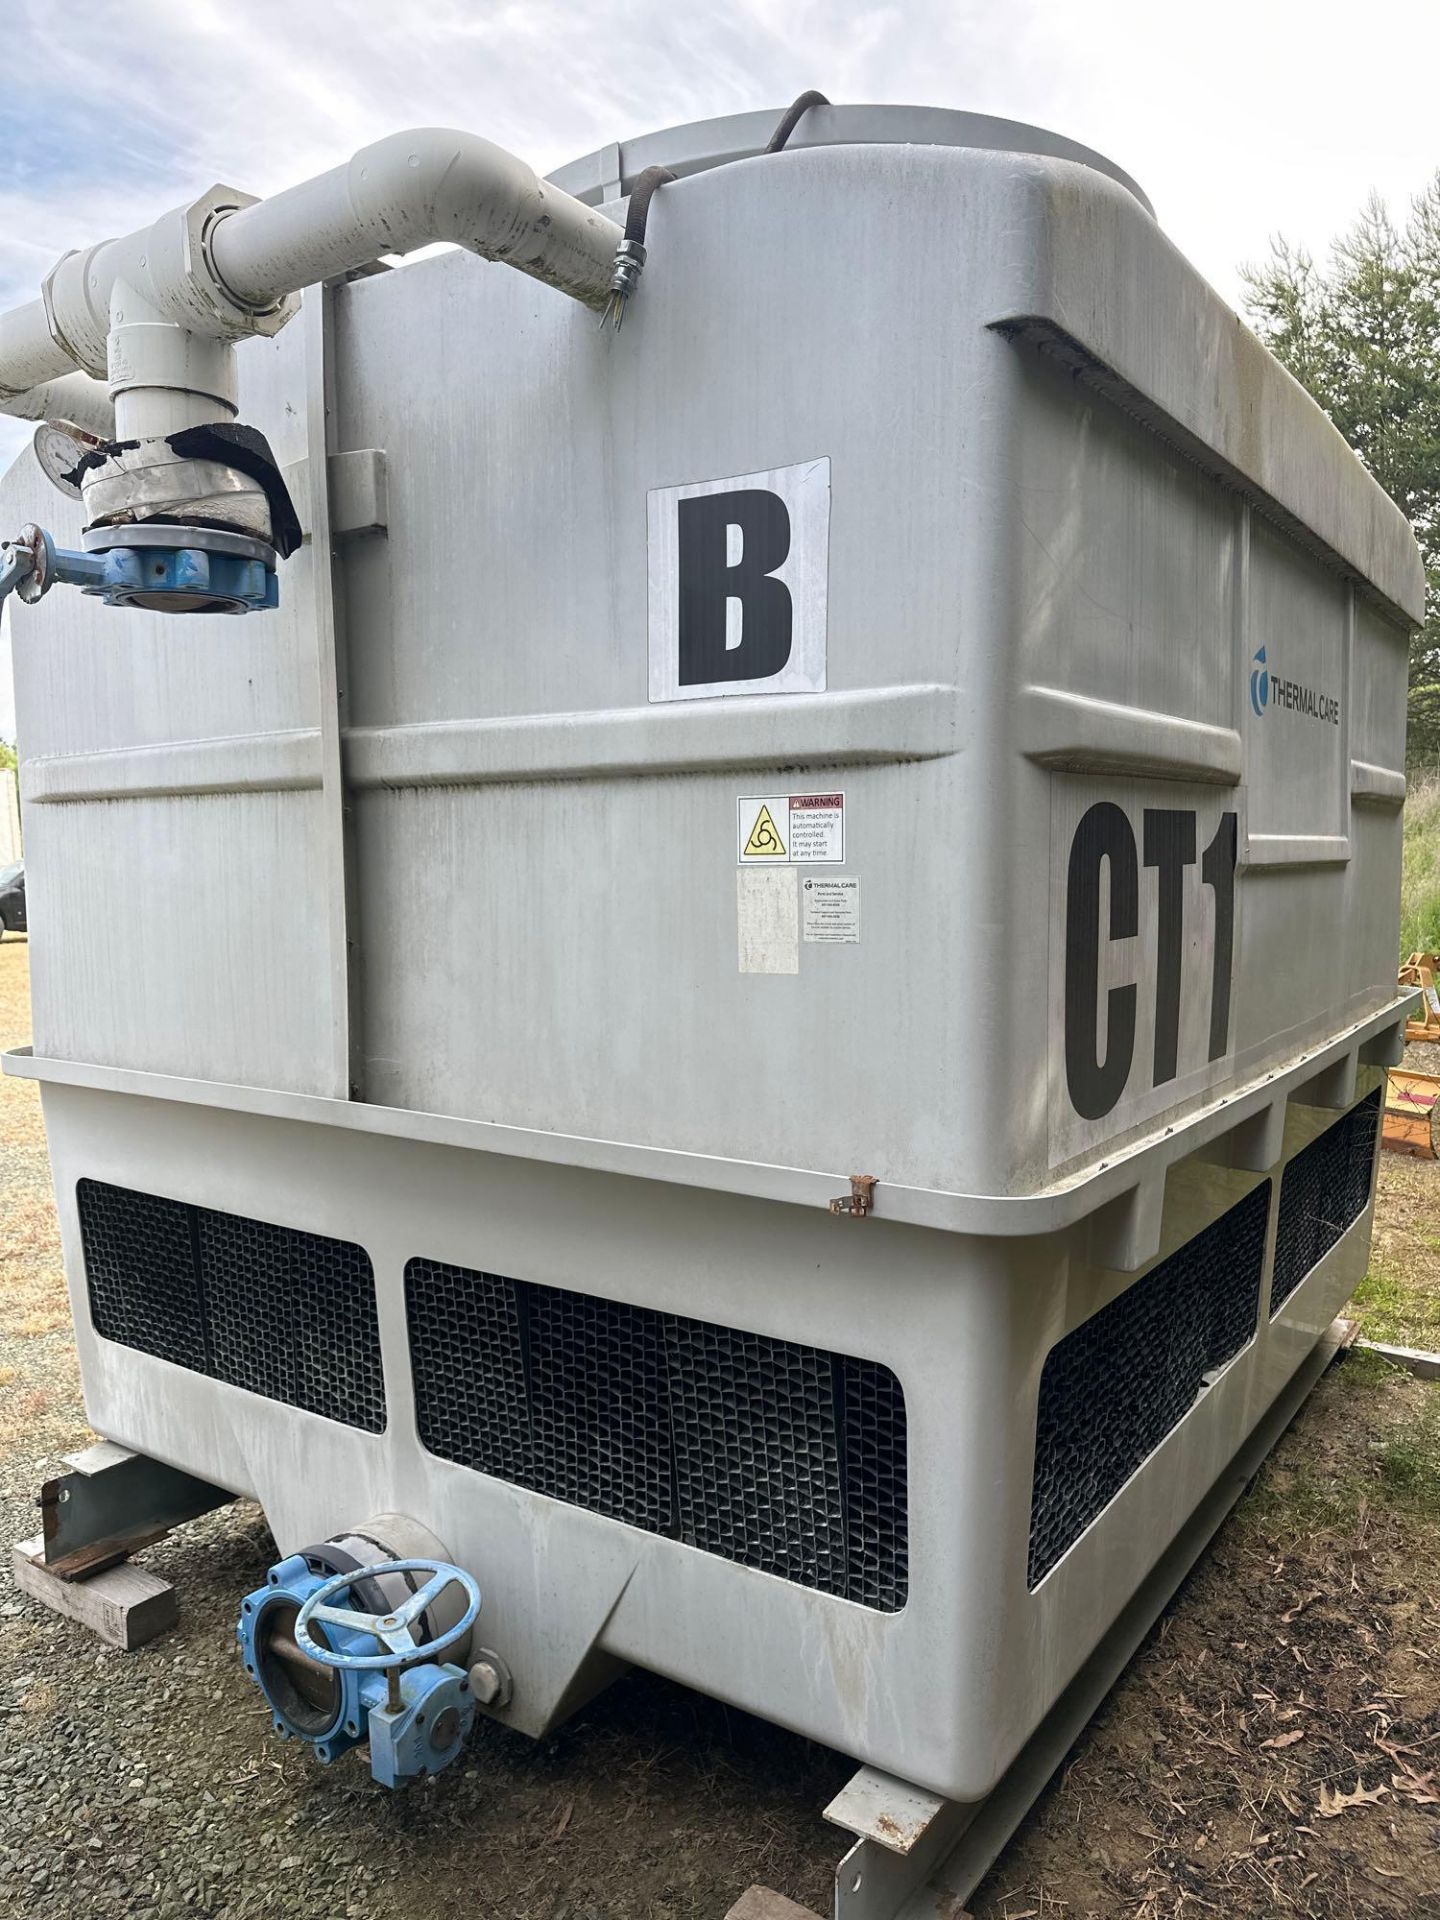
<point x="149" y="1783"/>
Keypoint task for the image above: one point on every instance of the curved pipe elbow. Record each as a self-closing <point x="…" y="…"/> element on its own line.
<point x="411" y="190"/>
<point x="216" y="270"/>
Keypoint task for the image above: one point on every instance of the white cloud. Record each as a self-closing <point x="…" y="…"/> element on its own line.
<point x="1240" y="119"/>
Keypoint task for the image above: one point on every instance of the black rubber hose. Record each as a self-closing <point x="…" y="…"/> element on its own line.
<point x="641" y="194"/>
<point x="648" y="184"/>
<point x="793" y="116"/>
<point x="653" y="178"/>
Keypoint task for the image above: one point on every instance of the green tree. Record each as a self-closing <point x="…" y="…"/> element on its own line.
<point x="1363" y="335"/>
<point x="7" y="755"/>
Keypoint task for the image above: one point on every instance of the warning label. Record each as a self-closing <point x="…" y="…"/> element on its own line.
<point x="764" y="842"/>
<point x="830" y="909"/>
<point x="791" y="829"/>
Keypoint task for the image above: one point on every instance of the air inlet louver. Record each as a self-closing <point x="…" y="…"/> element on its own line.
<point x="285" y="1314"/>
<point x="779" y="1456"/>
<point x="1324" y="1190"/>
<point x="1114" y="1387"/>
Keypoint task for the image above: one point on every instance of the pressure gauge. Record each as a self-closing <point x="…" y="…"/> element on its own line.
<point x="59" y="448"/>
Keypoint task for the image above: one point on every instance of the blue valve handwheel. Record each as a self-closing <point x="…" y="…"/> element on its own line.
<point x="393" y="1630"/>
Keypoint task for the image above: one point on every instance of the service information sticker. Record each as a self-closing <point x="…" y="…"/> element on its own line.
<point x="830" y="909"/>
<point x="790" y="830"/>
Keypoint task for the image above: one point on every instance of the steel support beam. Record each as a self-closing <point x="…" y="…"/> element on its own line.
<point x="113" y="1502"/>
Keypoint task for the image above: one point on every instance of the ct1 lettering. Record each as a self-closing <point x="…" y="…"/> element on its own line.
<point x="1105" y="844"/>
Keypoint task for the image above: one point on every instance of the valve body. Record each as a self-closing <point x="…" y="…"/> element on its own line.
<point x="416" y="1718"/>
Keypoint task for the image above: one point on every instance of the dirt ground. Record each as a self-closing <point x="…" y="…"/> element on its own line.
<point x="1273" y="1750"/>
<point x="1401" y="1294"/>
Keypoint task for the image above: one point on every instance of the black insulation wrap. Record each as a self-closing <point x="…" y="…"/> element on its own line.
<point x="248" y="451"/>
<point x="96" y="457"/>
<point x="229" y="445"/>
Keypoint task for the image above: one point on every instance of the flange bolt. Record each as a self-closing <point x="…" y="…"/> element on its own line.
<point x="490" y="1680"/>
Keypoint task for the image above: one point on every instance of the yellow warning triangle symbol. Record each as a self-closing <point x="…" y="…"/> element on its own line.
<point x="764" y="842"/>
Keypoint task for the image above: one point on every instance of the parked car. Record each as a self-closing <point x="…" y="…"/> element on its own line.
<point x="12" y="899"/>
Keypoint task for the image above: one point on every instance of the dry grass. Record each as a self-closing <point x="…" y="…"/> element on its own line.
<point x="32" y="1291"/>
<point x="1420" y="886"/>
<point x="34" y="1304"/>
<point x="20" y="1123"/>
<point x="1399" y="1300"/>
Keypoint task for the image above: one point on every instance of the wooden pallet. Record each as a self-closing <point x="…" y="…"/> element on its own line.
<point x="1411" y="1121"/>
<point x="1422" y="970"/>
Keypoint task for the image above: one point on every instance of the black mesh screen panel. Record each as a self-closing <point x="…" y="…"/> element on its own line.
<point x="757" y="1452"/>
<point x="1113" y="1388"/>
<point x="140" y="1266"/>
<point x="597" y="1369"/>
<point x="1323" y="1190"/>
<point x="876" y="1494"/>
<point x="777" y="1455"/>
<point x="282" y="1313"/>
<point x="470" y="1398"/>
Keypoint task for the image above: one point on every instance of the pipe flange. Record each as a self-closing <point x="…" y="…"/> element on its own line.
<point x="202" y="217"/>
<point x="175" y="533"/>
<point x="85" y="340"/>
<point x="40" y="578"/>
<point x="170" y="266"/>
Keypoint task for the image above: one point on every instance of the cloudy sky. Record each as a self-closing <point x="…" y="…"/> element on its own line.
<point x="1240" y="118"/>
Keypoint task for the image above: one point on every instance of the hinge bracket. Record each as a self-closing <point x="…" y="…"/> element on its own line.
<point x="860" y="1200"/>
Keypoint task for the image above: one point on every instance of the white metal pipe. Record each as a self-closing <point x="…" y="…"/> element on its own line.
<point x="408" y="191"/>
<point x="28" y="355"/>
<point x="164" y="377"/>
<point x="205" y="275"/>
<point x="74" y="397"/>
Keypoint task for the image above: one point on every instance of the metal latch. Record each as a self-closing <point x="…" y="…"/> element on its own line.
<point x="860" y="1200"/>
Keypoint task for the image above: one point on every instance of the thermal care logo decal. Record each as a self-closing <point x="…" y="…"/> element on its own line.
<point x="1267" y="688"/>
<point x="1259" y="685"/>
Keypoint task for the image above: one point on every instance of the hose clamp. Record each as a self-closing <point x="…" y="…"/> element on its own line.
<point x="625" y="274"/>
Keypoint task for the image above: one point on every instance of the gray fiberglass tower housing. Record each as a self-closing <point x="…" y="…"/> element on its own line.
<point x="925" y="701"/>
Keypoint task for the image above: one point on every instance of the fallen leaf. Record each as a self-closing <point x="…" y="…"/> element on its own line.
<point x="563" y="1822"/>
<point x="1419" y="1787"/>
<point x="1300" y="1605"/>
<point x="1285" y="1739"/>
<point x="1333" y="1802"/>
